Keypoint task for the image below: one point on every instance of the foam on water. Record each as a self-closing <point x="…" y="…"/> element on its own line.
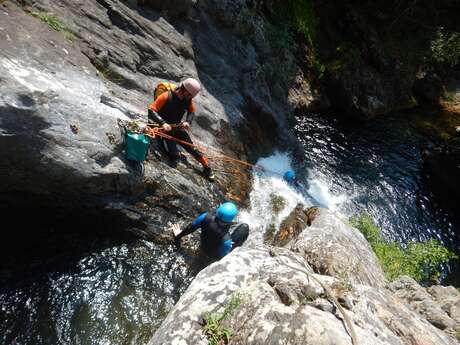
<point x="270" y="190"/>
<point x="320" y="191"/>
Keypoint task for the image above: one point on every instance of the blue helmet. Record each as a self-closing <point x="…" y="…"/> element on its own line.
<point x="289" y="176"/>
<point x="226" y="212"/>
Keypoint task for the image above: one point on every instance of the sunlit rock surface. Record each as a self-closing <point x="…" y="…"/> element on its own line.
<point x="283" y="303"/>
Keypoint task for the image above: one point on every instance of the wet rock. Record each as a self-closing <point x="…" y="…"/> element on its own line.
<point x="53" y="125"/>
<point x="364" y="78"/>
<point x="290" y="228"/>
<point x="441" y="166"/>
<point x="173" y="8"/>
<point x="61" y="144"/>
<point x="429" y="89"/>
<point x="364" y="92"/>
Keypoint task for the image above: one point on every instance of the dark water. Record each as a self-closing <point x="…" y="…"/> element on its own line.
<point x="92" y="291"/>
<point x="377" y="168"/>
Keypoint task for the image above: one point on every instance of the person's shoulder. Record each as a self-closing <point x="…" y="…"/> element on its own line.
<point x="162" y="99"/>
<point x="209" y="216"/>
<point x="192" y="106"/>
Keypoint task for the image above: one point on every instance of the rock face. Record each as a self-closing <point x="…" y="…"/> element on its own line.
<point x="281" y="302"/>
<point x="330" y="247"/>
<point x="365" y="92"/>
<point x="63" y="93"/>
<point x="57" y="136"/>
<point x="439" y="305"/>
<point x="442" y="167"/>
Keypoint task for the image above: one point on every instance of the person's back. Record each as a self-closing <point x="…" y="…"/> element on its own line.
<point x="219" y="235"/>
<point x="167" y="111"/>
<point x="214" y="234"/>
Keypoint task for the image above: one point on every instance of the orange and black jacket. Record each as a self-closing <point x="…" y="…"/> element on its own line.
<point x="168" y="108"/>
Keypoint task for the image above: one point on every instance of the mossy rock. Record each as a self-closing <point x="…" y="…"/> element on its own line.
<point x="294" y="224"/>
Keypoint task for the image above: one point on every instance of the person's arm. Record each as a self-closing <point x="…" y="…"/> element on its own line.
<point x="190" y="112"/>
<point x="156" y="106"/>
<point x="226" y="247"/>
<point x="196" y="224"/>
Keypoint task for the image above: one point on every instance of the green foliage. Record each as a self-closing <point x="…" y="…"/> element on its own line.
<point x="109" y="74"/>
<point x="317" y="65"/>
<point x="304" y="18"/>
<point x="54" y="23"/>
<point x="449" y="96"/>
<point x="269" y="233"/>
<point x="445" y="48"/>
<point x="421" y="261"/>
<point x="293" y="17"/>
<point x="277" y="203"/>
<point x="305" y="22"/>
<point x="216" y="333"/>
<point x="457" y="334"/>
<point x="280" y="66"/>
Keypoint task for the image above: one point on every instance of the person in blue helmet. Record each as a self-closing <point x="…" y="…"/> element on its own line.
<point x="289" y="177"/>
<point x="219" y="234"/>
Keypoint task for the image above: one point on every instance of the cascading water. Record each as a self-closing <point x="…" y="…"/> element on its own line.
<point x="373" y="168"/>
<point x="269" y="186"/>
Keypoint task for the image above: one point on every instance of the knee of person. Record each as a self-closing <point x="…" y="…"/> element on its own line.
<point x="243" y="228"/>
<point x="240" y="234"/>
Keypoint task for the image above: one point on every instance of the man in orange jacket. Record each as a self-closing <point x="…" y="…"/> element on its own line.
<point x="169" y="109"/>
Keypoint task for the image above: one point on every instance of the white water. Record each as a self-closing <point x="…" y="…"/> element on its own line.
<point x="270" y="184"/>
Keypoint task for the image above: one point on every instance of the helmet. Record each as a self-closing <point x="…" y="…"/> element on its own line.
<point x="226" y="212"/>
<point x="191" y="85"/>
<point x="289" y="176"/>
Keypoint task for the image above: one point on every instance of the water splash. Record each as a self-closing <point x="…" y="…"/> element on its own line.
<point x="272" y="199"/>
<point x="320" y="193"/>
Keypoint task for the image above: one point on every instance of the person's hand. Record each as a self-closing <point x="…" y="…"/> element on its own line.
<point x="185" y="125"/>
<point x="166" y="127"/>
<point x="149" y="131"/>
<point x="175" y="228"/>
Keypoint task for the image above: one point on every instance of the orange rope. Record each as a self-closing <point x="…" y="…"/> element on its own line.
<point x="217" y="155"/>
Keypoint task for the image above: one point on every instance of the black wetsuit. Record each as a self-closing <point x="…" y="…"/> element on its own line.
<point x="171" y="111"/>
<point x="217" y="238"/>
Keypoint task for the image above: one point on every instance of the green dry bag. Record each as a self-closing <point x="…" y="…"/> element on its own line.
<point x="137" y="146"/>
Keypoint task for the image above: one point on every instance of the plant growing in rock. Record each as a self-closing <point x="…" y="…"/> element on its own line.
<point x="269" y="233"/>
<point x="277" y="203"/>
<point x="344" y="284"/>
<point x="445" y="48"/>
<point x="216" y="333"/>
<point x="421" y="261"/>
<point x="54" y="23"/>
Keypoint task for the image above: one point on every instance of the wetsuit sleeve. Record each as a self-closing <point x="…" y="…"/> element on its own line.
<point x="226" y="247"/>
<point x="191" y="112"/>
<point x="156" y="106"/>
<point x="196" y="224"/>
